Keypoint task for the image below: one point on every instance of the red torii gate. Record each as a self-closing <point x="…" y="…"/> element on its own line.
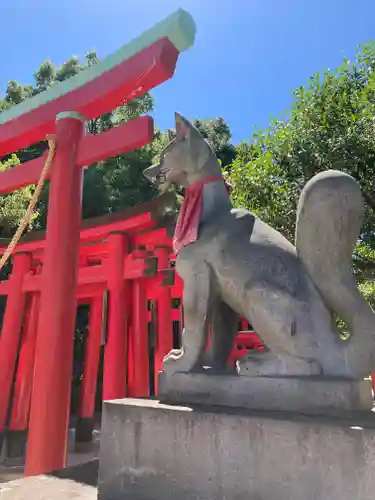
<point x="145" y="273"/>
<point x="135" y="69"/>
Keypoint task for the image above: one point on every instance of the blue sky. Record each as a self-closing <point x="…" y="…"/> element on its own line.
<point x="248" y="55"/>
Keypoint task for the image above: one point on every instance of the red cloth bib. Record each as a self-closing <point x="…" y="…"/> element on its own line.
<point x="188" y="220"/>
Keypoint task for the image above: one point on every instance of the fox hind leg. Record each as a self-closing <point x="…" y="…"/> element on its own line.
<point x="224" y="322"/>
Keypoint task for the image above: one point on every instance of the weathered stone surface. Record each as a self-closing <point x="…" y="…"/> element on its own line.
<point x="305" y="395"/>
<point x="152" y="451"/>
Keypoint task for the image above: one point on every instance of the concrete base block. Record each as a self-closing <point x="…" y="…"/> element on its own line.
<point x="310" y="395"/>
<point x="151" y="451"/>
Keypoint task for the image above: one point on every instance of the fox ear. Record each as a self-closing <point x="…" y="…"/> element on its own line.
<point x="183" y="127"/>
<point x="171" y="135"/>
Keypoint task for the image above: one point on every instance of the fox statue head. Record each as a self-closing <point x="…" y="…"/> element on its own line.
<point x="187" y="158"/>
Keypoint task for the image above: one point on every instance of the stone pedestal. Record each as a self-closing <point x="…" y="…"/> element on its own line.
<point x="311" y="395"/>
<point x="151" y="451"/>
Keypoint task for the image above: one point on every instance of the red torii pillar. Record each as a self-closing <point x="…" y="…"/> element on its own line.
<point x="115" y="353"/>
<point x="164" y="315"/>
<point x="49" y="418"/>
<point x="16" y="435"/>
<point x="10" y="334"/>
<point x="23" y="385"/>
<point x="140" y="362"/>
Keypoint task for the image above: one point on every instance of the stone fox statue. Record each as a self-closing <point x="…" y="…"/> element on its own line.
<point x="234" y="264"/>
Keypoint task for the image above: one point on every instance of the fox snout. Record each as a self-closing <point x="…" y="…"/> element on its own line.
<point x="153" y="174"/>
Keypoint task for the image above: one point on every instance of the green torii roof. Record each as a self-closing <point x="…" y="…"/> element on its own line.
<point x="179" y="28"/>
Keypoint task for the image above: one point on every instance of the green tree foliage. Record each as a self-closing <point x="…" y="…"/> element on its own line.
<point x="44" y="77"/>
<point x="330" y="126"/>
<point x="217" y="133"/>
<point x="13" y="206"/>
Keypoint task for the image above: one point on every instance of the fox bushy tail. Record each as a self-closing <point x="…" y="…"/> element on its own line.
<point x="329" y="218"/>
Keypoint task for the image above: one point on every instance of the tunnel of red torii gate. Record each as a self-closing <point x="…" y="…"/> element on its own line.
<point x="121" y="265"/>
